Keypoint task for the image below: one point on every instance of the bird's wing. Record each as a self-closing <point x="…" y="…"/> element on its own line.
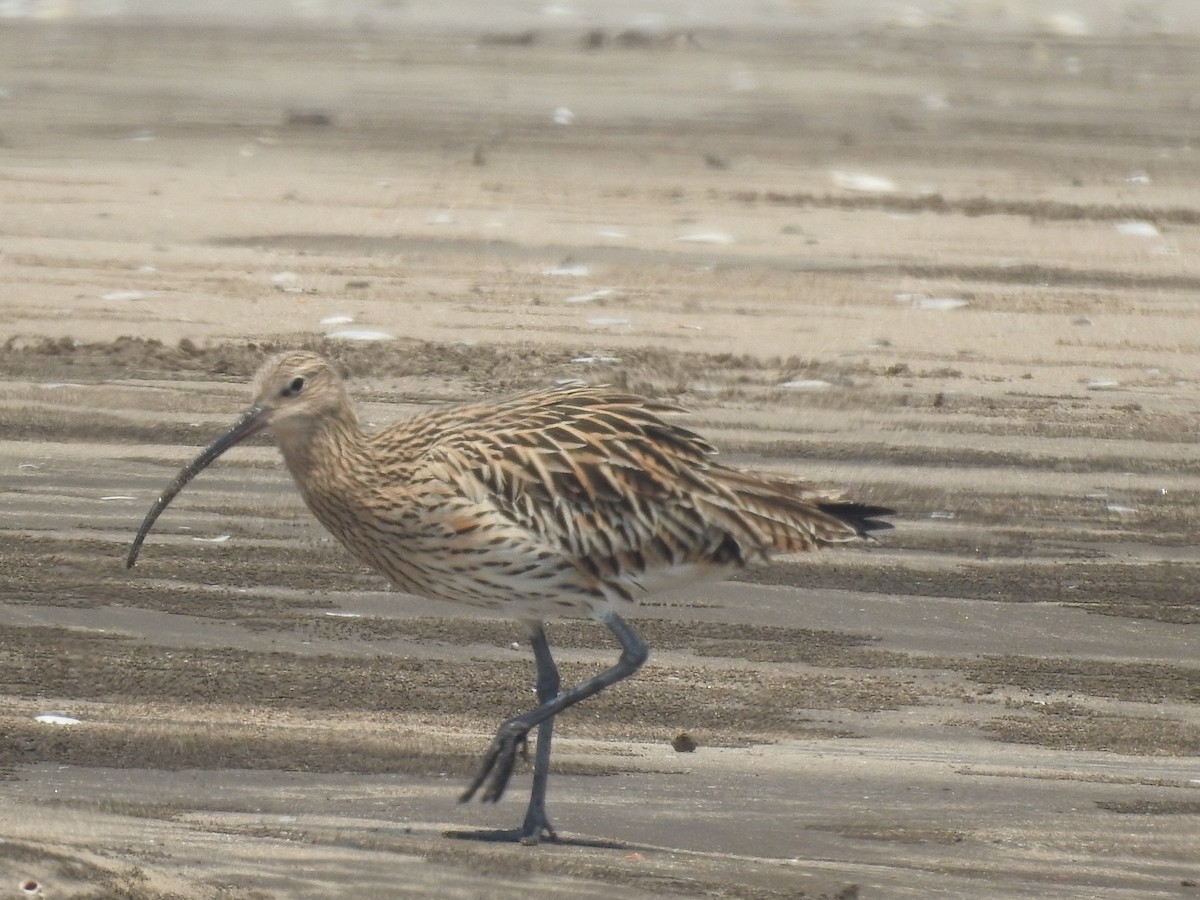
<point x="600" y="477"/>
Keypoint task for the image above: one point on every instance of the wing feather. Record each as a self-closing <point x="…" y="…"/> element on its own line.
<point x="600" y="478"/>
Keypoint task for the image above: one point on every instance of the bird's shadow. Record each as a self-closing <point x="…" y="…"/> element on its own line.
<point x="513" y="836"/>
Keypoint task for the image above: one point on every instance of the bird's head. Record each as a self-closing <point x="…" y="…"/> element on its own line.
<point x="294" y="393"/>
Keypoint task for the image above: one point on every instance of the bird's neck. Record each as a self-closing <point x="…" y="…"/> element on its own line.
<point x="322" y="454"/>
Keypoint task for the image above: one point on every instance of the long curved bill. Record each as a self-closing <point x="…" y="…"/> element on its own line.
<point x="253" y="421"/>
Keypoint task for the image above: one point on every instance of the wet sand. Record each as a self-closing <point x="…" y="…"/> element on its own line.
<point x="997" y="700"/>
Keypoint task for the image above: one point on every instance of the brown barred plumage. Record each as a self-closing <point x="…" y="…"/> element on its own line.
<point x="572" y="500"/>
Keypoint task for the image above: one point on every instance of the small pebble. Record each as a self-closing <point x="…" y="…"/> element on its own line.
<point x="684" y="743"/>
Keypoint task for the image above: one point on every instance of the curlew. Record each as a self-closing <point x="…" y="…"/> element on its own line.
<point x="569" y="501"/>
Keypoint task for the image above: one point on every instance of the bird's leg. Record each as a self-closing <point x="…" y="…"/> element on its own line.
<point x="536" y="825"/>
<point x="500" y="758"/>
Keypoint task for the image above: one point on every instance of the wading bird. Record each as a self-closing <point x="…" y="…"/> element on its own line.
<point x="568" y="501"/>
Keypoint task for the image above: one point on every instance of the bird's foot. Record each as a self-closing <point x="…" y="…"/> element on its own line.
<point x="536" y="828"/>
<point x="526" y="835"/>
<point x="498" y="762"/>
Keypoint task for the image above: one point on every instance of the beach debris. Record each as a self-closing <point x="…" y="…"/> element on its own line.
<point x="307" y="118"/>
<point x="806" y="384"/>
<point x="706" y="237"/>
<point x="1137" y="228"/>
<point x="599" y="294"/>
<point x="909" y="16"/>
<point x="862" y="182"/>
<point x="290" y="283"/>
<point x="743" y="81"/>
<point x="936" y="304"/>
<point x="359" y="334"/>
<point x="56" y="718"/>
<point x="568" y="270"/>
<point x="1066" y="24"/>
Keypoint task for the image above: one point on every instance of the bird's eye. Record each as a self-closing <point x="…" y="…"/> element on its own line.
<point x="295" y="386"/>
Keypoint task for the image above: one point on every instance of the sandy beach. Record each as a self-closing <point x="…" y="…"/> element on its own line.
<point x="947" y="263"/>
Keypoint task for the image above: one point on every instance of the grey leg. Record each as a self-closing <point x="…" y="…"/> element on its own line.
<point x="537" y="825"/>
<point x="500" y="758"/>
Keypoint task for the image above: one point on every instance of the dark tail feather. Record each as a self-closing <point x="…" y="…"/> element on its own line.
<point x="858" y="515"/>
